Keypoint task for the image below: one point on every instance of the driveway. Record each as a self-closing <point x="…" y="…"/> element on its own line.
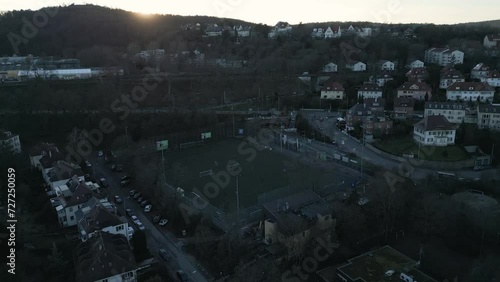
<point x="156" y="236"/>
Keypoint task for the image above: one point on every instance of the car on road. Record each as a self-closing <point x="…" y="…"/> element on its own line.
<point x="163" y="222"/>
<point x="129" y="212"/>
<point x="104" y="183"/>
<point x="137" y="195"/>
<point x="125" y="183"/>
<point x="132" y="193"/>
<point x="118" y="200"/>
<point x="164" y="254"/>
<point x="182" y="276"/>
<point x="148" y="208"/>
<point x="100" y="154"/>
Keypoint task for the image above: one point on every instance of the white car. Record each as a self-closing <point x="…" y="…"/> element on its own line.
<point x="134" y="218"/>
<point x="163" y="222"/>
<point x="130" y="232"/>
<point x="140" y="225"/>
<point x="148" y="208"/>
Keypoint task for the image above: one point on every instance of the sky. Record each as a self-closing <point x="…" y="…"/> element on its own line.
<point x="294" y="12"/>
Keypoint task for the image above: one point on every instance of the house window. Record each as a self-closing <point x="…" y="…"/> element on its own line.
<point x="71" y="218"/>
<point x="128" y="275"/>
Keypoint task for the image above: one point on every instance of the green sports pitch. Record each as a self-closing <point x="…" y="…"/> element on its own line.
<point x="199" y="170"/>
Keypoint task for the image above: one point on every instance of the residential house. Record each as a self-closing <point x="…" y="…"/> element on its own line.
<point x="480" y="158"/>
<point x="386" y="65"/>
<point x="416" y="90"/>
<point x="409" y="32"/>
<point x="415" y="64"/>
<point x="213" y="31"/>
<point x="48" y="161"/>
<point x="356" y="66"/>
<point x="359" y="31"/>
<point x="491" y="41"/>
<point x="470" y="91"/>
<point x="373" y="122"/>
<point x="444" y="56"/>
<point x="334" y="32"/>
<point x="383" y="264"/>
<point x="330" y="67"/>
<point x="480" y="71"/>
<point x="40" y="150"/>
<point x="382" y="78"/>
<point x="69" y="202"/>
<point x="369" y="90"/>
<point x="105" y="258"/>
<point x="61" y="172"/>
<point x="10" y="141"/>
<point x="488" y="116"/>
<point x="376" y="105"/>
<point x="318" y="33"/>
<point x="242" y="31"/>
<point x="454" y="112"/>
<point x="449" y="77"/>
<point x="417" y="74"/>
<point x="404" y="107"/>
<point x="281" y="28"/>
<point x="294" y="220"/>
<point x="332" y="90"/>
<point x="434" y="131"/>
<point x="97" y="218"/>
<point x="492" y="79"/>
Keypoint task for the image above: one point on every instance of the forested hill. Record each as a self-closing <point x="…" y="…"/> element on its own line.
<point x="73" y="28"/>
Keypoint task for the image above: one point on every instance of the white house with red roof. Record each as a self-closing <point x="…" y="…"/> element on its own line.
<point x="449" y="77"/>
<point x="416" y="90"/>
<point x="434" y="131"/>
<point x="491" y="41"/>
<point x="479" y="71"/>
<point x="370" y="90"/>
<point x="470" y="91"/>
<point x="332" y="91"/>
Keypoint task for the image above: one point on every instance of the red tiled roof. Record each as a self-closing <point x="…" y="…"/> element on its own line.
<point x="404" y="102"/>
<point x="452" y="74"/>
<point x="493" y="37"/>
<point x="370" y="87"/>
<point x="470" y="86"/>
<point x="418" y="71"/>
<point x="332" y="86"/>
<point x="420" y="86"/>
<point x="430" y="123"/>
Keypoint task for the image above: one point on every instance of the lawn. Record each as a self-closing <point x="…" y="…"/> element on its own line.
<point x="267" y="172"/>
<point x="400" y="146"/>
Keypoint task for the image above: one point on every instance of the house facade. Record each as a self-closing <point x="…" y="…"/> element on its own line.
<point x="480" y="71"/>
<point x="453" y="112"/>
<point x="281" y="28"/>
<point x="434" y="131"/>
<point x="416" y="90"/>
<point x="370" y="90"/>
<point x="330" y="67"/>
<point x="450" y="77"/>
<point x="444" y="56"/>
<point x="214" y="31"/>
<point x="470" y="91"/>
<point x="415" y="64"/>
<point x="332" y="91"/>
<point x="492" y="79"/>
<point x="382" y="78"/>
<point x="370" y="115"/>
<point x="97" y="218"/>
<point x="334" y="32"/>
<point x="11" y="141"/>
<point x="386" y="65"/>
<point x="356" y="66"/>
<point x="417" y="74"/>
<point x="404" y="107"/>
<point x="488" y="116"/>
<point x="491" y="41"/>
<point x="242" y="31"/>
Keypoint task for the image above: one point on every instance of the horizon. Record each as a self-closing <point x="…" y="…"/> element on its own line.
<point x="377" y="11"/>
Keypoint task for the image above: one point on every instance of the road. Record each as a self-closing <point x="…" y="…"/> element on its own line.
<point x="157" y="237"/>
<point x="349" y="144"/>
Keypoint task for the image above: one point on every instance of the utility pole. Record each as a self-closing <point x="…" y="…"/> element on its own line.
<point x="238" y="199"/>
<point x="163" y="167"/>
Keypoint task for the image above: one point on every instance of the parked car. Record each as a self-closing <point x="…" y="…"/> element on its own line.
<point x="148" y="208"/>
<point x="134" y="218"/>
<point x="104" y="183"/>
<point x="100" y="154"/>
<point x="140" y="199"/>
<point x="137" y="195"/>
<point x="140" y="225"/>
<point x="132" y="193"/>
<point x="126" y="177"/>
<point x="118" y="199"/>
<point x="129" y="212"/>
<point x="125" y="183"/>
<point x="163" y="222"/>
<point x="145" y="203"/>
<point x="182" y="276"/>
<point x="156" y="218"/>
<point x="130" y="232"/>
<point x="164" y="254"/>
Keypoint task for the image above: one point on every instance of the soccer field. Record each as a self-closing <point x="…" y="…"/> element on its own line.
<point x="190" y="169"/>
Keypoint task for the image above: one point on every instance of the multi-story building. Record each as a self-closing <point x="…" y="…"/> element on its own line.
<point x="470" y="91"/>
<point x="97" y="218"/>
<point x="449" y="77"/>
<point x="480" y="71"/>
<point x="417" y="74"/>
<point x="488" y="116"/>
<point x="453" y="112"/>
<point x="492" y="79"/>
<point x="491" y="41"/>
<point x="434" y="131"/>
<point x="416" y="90"/>
<point x="444" y="56"/>
<point x="105" y="258"/>
<point x="294" y="220"/>
<point x="370" y="117"/>
<point x="10" y="141"/>
<point x="333" y="91"/>
<point x="370" y="90"/>
<point x="404" y="107"/>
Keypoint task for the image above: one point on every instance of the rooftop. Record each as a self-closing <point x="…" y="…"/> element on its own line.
<point x="452" y="74"/>
<point x="432" y="123"/>
<point x="332" y="86"/>
<point x="404" y="102"/>
<point x="415" y="86"/>
<point x="470" y="86"/>
<point x="370" y="87"/>
<point x="373" y="266"/>
<point x="445" y="105"/>
<point x="489" y="108"/>
<point x="97" y="218"/>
